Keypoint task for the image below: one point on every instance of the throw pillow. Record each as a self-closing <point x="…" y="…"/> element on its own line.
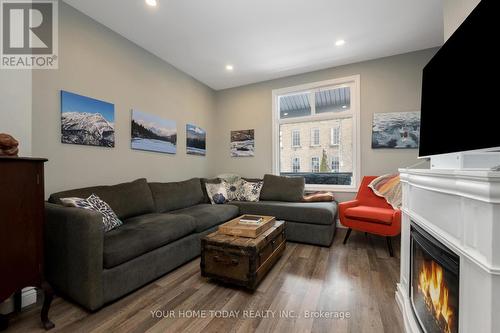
<point x="229" y="177"/>
<point x="249" y="191"/>
<point x="109" y="218"/>
<point x="277" y="188"/>
<point x="232" y="189"/>
<point x="217" y="193"/>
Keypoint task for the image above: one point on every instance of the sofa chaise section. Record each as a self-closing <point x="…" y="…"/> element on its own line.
<point x="307" y="222"/>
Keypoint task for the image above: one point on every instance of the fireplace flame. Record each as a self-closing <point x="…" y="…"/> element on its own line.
<point x="432" y="285"/>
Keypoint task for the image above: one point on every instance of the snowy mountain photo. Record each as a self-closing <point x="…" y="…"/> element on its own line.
<point x="86" y="121"/>
<point x="196" y="140"/>
<point x="152" y="133"/>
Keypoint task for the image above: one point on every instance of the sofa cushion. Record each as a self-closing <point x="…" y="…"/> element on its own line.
<point x="143" y="234"/>
<point x="277" y="188"/>
<point x="126" y="200"/>
<point x="305" y="212"/>
<point x="207" y="216"/>
<point x="176" y="195"/>
<point x="370" y="214"/>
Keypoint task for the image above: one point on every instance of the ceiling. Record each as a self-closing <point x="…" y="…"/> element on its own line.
<point x="267" y="39"/>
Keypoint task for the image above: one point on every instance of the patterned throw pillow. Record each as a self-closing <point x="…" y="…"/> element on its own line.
<point x="109" y="218"/>
<point x="217" y="193"/>
<point x="232" y="189"/>
<point x="249" y="191"/>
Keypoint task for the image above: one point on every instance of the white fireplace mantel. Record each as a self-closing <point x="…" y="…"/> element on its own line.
<point x="462" y="210"/>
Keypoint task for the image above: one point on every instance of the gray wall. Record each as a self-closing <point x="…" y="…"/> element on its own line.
<point x="96" y="62"/>
<point x="15" y="107"/>
<point x="387" y="85"/>
<point x="454" y="13"/>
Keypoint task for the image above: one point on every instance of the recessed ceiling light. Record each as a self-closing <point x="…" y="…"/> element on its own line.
<point x="229" y="68"/>
<point x="340" y="42"/>
<point x="152" y="3"/>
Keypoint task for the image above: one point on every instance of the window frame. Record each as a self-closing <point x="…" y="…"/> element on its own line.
<point x="332" y="158"/>
<point x="353" y="112"/>
<point x="293" y="165"/>
<point x="313" y="137"/>
<point x="312" y="163"/>
<point x="298" y="135"/>
<point x="336" y="130"/>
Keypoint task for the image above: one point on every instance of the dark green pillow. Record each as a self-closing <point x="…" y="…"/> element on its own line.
<point x="277" y="188"/>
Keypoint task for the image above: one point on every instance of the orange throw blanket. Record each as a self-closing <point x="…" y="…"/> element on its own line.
<point x="388" y="187"/>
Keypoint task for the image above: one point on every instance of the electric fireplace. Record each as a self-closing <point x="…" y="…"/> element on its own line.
<point x="434" y="283"/>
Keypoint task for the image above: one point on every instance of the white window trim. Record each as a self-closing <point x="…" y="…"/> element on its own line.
<point x="312" y="164"/>
<point x="331" y="161"/>
<point x="354" y="111"/>
<point x="312" y="137"/>
<point x="300" y="141"/>
<point x="293" y="159"/>
<point x="338" y="128"/>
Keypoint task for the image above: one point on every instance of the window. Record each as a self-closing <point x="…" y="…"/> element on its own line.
<point x="335" y="164"/>
<point x="295" y="164"/>
<point x="328" y="111"/>
<point x="315" y="164"/>
<point x="295" y="138"/>
<point x="335" y="136"/>
<point x="315" y="137"/>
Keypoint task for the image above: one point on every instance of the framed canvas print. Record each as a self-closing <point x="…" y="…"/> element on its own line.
<point x="196" y="140"/>
<point x="243" y="143"/>
<point x="396" y="130"/>
<point x="152" y="133"/>
<point x="87" y="121"/>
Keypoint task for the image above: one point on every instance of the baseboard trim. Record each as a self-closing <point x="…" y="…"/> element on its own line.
<point x="28" y="297"/>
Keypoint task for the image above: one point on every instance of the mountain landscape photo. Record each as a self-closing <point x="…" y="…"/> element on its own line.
<point x="86" y="121"/>
<point x="196" y="140"/>
<point x="152" y="133"/>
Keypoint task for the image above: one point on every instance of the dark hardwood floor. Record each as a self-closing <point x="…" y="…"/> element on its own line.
<point x="357" y="280"/>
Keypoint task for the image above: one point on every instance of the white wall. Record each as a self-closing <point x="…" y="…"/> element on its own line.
<point x="15" y="107"/>
<point x="97" y="62"/>
<point x="391" y="84"/>
<point x="455" y="12"/>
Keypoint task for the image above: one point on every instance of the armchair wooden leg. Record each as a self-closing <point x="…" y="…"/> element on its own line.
<point x="389" y="246"/>
<point x="347" y="235"/>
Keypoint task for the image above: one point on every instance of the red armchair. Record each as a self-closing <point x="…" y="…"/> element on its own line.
<point x="371" y="214"/>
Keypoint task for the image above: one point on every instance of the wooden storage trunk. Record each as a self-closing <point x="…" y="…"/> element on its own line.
<point x="242" y="261"/>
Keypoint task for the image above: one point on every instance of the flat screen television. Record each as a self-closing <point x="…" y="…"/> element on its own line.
<point x="460" y="92"/>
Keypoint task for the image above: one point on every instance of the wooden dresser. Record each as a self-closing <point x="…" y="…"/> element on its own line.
<point x="21" y="230"/>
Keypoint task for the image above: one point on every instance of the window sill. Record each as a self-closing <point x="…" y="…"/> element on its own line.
<point x="296" y="146"/>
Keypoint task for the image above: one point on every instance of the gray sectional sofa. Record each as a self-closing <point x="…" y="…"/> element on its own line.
<point x="162" y="227"/>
